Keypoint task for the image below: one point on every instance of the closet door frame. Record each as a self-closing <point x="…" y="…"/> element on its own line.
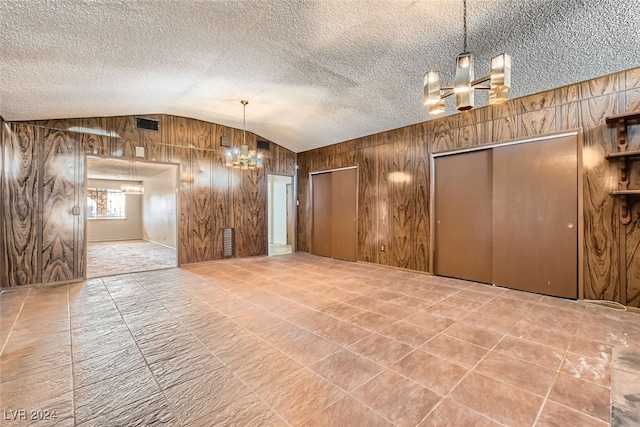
<point x="577" y="133"/>
<point x="311" y="201"/>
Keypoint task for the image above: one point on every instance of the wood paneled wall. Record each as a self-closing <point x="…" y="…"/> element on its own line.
<point x="43" y="178"/>
<point x="394" y="177"/>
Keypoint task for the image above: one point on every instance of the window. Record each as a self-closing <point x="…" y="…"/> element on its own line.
<point x="105" y="204"/>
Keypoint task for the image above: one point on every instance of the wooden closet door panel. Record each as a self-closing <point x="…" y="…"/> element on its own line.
<point x="344" y="229"/>
<point x="321" y="215"/>
<point x="57" y="200"/>
<point x="463" y="194"/>
<point x="535" y="214"/>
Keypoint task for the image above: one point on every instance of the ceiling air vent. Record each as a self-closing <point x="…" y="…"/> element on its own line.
<point x="147" y="124"/>
<point x="262" y="145"/>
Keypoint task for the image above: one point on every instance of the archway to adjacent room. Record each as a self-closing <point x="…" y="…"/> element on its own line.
<point x="281" y="214"/>
<point x="128" y="232"/>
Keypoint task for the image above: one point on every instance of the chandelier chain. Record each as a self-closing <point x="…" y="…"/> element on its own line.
<point x="464" y="24"/>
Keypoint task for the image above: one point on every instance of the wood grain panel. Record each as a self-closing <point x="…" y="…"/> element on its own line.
<point x="538" y="122"/>
<point x="220" y="200"/>
<point x="5" y="134"/>
<point x="20" y="198"/>
<point x="402" y="207"/>
<point x="382" y="203"/>
<point x="95" y="145"/>
<point x="367" y="212"/>
<point x="601" y="223"/>
<point x="599" y="86"/>
<point x="201" y="134"/>
<point x="182" y="157"/>
<point x="633" y="259"/>
<point x="568" y="116"/>
<point x="504" y="129"/>
<point x="570" y="93"/>
<point x="58" y="199"/>
<point x="124" y="127"/>
<point x="345" y="159"/>
<point x="324" y="158"/>
<point x="249" y="201"/>
<point x="442" y="124"/>
<point x="470" y="136"/>
<point x="421" y="223"/>
<point x="63" y="124"/>
<point x="304" y="208"/>
<point x="180" y="132"/>
<point x="539" y="101"/>
<point x="200" y="224"/>
<point x="96" y="125"/>
<point x="158" y="152"/>
<point x="632" y="78"/>
<point x="444" y="141"/>
<point x="507" y="109"/>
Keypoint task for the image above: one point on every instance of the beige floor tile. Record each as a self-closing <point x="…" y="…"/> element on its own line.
<point x="300" y="396"/>
<point x="401" y="401"/>
<point x="347" y="412"/>
<point x="345" y="369"/>
<point x="381" y="349"/>
<point x="581" y="395"/>
<point x="451" y="414"/>
<point x="436" y="374"/>
<point x="496" y="400"/>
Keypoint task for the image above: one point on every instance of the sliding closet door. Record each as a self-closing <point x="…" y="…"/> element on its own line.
<point x="463" y="193"/>
<point x="322" y="214"/>
<point x="344" y="231"/>
<point x="535" y="214"/>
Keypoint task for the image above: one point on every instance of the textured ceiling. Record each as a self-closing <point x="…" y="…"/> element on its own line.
<point x="314" y="72"/>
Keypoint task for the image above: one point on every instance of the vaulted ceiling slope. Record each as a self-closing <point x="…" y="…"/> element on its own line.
<point x="315" y="72"/>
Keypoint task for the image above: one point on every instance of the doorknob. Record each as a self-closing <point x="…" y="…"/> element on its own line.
<point x="570" y="225"/>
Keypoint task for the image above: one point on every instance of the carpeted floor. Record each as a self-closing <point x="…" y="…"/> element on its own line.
<point x="127" y="256"/>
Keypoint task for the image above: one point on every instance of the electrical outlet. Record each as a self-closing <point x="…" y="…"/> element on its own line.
<point x="382" y="248"/>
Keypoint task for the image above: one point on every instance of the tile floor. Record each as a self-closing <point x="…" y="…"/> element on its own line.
<point x="302" y="340"/>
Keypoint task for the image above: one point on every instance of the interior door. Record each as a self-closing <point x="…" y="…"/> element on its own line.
<point x="321" y="215"/>
<point x="535" y="214"/>
<point x="344" y="230"/>
<point x="463" y="193"/>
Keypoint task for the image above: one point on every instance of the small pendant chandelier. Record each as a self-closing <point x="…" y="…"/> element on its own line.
<point x="242" y="157"/>
<point x="131" y="175"/>
<point x="465" y="83"/>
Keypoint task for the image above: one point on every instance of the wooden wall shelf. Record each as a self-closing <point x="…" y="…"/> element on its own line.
<point x="625" y="193"/>
<point x="629" y="154"/>
<point x="624" y="157"/>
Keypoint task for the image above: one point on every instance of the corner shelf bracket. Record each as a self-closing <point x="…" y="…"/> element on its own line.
<point x="623" y="157"/>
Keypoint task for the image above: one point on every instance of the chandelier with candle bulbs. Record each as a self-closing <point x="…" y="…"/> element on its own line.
<point x="465" y="83"/>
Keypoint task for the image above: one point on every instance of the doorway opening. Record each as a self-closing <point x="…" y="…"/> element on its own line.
<point x="280" y="196"/>
<point x="125" y="232"/>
